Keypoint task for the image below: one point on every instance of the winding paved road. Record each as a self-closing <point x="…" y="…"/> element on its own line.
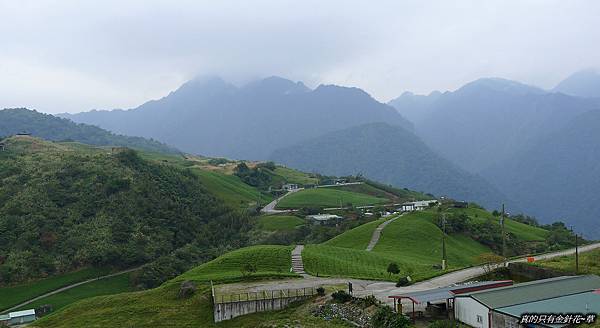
<point x="270" y="208"/>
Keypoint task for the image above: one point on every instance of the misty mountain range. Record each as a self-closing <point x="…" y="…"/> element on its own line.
<point x="491" y="141"/>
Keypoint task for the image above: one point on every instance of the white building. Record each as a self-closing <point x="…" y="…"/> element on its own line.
<point x="417" y="205"/>
<point x="502" y="307"/>
<point x="290" y="186"/>
<point x="18" y="317"/>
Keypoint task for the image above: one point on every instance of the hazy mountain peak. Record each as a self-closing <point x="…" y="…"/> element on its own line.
<point x="277" y="84"/>
<point x="585" y="83"/>
<point x="499" y="85"/>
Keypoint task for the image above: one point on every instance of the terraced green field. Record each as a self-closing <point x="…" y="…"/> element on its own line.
<point x="231" y="189"/>
<point x="357" y="238"/>
<point x="10" y="296"/>
<point x="270" y="261"/>
<point x="520" y="230"/>
<point x="327" y="197"/>
<point x="412" y="241"/>
<point x="279" y="222"/>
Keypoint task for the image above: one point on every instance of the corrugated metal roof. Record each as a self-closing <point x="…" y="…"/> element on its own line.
<point x="536" y="290"/>
<point x="21" y="313"/>
<point x="587" y="302"/>
<point x="444" y="293"/>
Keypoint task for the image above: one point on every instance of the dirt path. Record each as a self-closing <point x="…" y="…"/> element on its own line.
<point x="377" y="233"/>
<point x="62" y="289"/>
<point x="380" y="289"/>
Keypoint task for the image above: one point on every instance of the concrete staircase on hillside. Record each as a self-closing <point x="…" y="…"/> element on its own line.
<point x="297" y="265"/>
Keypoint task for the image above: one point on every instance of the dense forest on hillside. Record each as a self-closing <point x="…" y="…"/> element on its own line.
<point x="62" y="209"/>
<point x="49" y="127"/>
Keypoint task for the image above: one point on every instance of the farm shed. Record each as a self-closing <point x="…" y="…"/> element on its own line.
<point x="500" y="307"/>
<point x="444" y="295"/>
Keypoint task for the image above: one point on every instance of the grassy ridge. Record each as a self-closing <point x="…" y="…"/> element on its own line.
<point x="357" y="238"/>
<point x="520" y="230"/>
<point x="231" y="189"/>
<point x="279" y="222"/>
<point x="10" y="296"/>
<point x="270" y="261"/>
<point x="328" y="197"/>
<point x="294" y="176"/>
<point x="412" y="241"/>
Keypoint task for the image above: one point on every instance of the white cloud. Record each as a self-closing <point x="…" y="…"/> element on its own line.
<point x="74" y="55"/>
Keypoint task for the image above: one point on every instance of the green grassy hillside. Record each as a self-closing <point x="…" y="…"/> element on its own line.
<point x="521" y="230"/>
<point x="160" y="307"/>
<point x="412" y="241"/>
<point x="589" y="263"/>
<point x="64" y="206"/>
<point x="357" y="238"/>
<point x="328" y="197"/>
<point x="231" y="189"/>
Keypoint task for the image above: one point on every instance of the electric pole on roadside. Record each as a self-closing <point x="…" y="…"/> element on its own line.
<point x="503" y="233"/>
<point x="576" y="253"/>
<point x="444" y="263"/>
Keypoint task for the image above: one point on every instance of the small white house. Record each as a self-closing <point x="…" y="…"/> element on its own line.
<point x="419" y="205"/>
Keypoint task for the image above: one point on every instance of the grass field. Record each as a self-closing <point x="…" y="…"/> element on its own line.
<point x="108" y="286"/>
<point x="270" y="261"/>
<point x="520" y="230"/>
<point x="231" y="189"/>
<point x="589" y="263"/>
<point x="10" y="296"/>
<point x="294" y="176"/>
<point x="160" y="307"/>
<point x="279" y="222"/>
<point x="357" y="238"/>
<point x="412" y="241"/>
<point x="328" y="197"/>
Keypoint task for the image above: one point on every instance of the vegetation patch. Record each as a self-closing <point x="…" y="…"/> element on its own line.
<point x="328" y="197"/>
<point x="357" y="238"/>
<point x="231" y="189"/>
<point x="279" y="222"/>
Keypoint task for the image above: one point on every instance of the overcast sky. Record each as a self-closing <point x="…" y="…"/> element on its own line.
<point x="71" y="56"/>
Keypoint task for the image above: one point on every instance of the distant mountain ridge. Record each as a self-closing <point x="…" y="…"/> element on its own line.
<point x="389" y="154"/>
<point x="558" y="176"/>
<point x="215" y="118"/>
<point x="488" y="120"/>
<point x="18" y="120"/>
<point x="584" y="83"/>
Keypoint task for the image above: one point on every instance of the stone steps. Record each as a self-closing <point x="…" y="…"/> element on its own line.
<point x="297" y="264"/>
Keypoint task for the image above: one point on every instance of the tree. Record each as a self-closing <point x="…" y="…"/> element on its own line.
<point x="393" y="269"/>
<point x="489" y="262"/>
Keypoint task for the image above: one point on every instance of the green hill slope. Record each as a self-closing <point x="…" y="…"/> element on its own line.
<point x="160" y="307"/>
<point x="66" y="206"/>
<point x="328" y="197"/>
<point x="18" y="120"/>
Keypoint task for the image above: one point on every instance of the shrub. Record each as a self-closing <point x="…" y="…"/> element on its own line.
<point x="403" y="281"/>
<point x="386" y="318"/>
<point x="321" y="291"/>
<point x="341" y="296"/>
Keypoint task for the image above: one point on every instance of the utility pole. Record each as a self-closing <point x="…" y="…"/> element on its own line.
<point x="576" y="253"/>
<point x="503" y="233"/>
<point x="444" y="263"/>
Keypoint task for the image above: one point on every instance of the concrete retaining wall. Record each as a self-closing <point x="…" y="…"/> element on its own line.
<point x="531" y="272"/>
<point x="230" y="310"/>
